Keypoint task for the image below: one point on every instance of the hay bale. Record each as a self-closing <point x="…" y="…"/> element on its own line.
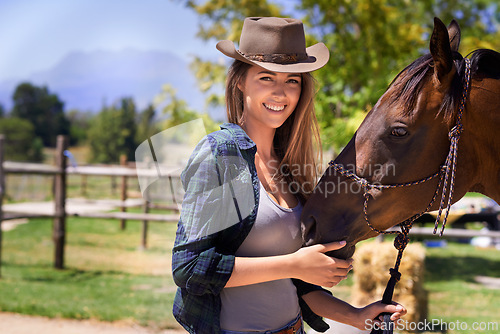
<point x="372" y="262"/>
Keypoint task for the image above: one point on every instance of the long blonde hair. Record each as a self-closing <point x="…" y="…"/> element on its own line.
<point x="296" y="142"/>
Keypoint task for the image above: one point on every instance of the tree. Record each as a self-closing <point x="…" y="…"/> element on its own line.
<point x="112" y="132"/>
<point x="43" y="110"/>
<point x="146" y="126"/>
<point x="79" y="126"/>
<point x="177" y="111"/>
<point x="370" y="42"/>
<point x="21" y="143"/>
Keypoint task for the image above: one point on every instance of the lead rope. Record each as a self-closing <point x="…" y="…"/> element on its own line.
<point x="402" y="239"/>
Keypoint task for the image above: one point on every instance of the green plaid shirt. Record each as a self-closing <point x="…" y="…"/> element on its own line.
<point x="218" y="211"/>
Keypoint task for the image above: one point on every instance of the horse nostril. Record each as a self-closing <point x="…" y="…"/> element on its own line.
<point x="309" y="231"/>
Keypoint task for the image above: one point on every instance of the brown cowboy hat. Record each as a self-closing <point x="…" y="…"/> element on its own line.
<point x="276" y="44"/>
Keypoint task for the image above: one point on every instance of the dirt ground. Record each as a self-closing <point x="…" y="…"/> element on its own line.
<point x="13" y="323"/>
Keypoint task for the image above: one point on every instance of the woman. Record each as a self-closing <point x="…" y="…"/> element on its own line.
<point x="237" y="258"/>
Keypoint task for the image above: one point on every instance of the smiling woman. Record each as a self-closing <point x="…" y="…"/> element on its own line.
<point x="237" y="257"/>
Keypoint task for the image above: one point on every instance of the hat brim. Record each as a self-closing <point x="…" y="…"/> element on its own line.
<point x="318" y="56"/>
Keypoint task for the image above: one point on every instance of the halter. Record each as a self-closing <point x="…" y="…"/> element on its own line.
<point x="447" y="171"/>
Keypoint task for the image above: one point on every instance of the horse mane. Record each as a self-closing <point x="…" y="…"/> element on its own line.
<point x="485" y="63"/>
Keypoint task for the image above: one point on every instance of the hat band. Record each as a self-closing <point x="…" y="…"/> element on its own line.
<point x="277" y="58"/>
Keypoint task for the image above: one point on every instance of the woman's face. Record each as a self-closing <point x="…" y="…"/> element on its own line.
<point x="269" y="98"/>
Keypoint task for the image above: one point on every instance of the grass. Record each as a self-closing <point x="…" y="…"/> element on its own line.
<point x="454" y="295"/>
<point x="108" y="277"/>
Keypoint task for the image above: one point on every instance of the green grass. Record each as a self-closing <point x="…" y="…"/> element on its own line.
<point x="107" y="276"/>
<point x="454" y="295"/>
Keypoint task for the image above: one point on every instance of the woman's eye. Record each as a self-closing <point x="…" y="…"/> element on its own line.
<point x="293" y="81"/>
<point x="266" y="78"/>
<point x="399" y="132"/>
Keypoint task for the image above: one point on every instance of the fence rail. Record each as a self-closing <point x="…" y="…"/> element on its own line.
<point x="60" y="172"/>
<point x="450" y="232"/>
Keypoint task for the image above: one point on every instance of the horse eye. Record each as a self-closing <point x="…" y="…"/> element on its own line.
<point x="399" y="132"/>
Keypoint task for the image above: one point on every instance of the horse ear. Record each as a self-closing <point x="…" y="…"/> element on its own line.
<point x="454" y="32"/>
<point x="441" y="52"/>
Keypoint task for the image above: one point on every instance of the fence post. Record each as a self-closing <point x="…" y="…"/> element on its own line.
<point x="144" y="239"/>
<point x="59" y="227"/>
<point x="83" y="185"/>
<point x="2" y="190"/>
<point x="123" y="193"/>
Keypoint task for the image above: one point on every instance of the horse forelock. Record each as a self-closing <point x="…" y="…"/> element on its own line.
<point x="410" y="82"/>
<point x="413" y="79"/>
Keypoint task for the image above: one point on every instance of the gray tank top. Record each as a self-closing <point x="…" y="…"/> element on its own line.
<point x="268" y="305"/>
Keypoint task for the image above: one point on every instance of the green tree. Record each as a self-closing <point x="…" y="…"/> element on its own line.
<point x="79" y="126"/>
<point x="146" y="126"/>
<point x="112" y="132"/>
<point x="176" y="111"/>
<point x="370" y="42"/>
<point x="42" y="109"/>
<point x="21" y="143"/>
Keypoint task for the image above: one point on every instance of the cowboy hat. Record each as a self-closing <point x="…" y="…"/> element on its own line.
<point x="276" y="44"/>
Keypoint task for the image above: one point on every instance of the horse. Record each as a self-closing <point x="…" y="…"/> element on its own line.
<point x="407" y="152"/>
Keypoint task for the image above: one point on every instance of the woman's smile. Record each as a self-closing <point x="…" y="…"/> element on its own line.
<point x="274" y="107"/>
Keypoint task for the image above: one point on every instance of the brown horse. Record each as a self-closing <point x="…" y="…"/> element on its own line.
<point x="405" y="138"/>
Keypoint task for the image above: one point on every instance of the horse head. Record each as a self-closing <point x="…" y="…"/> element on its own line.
<point x="405" y="138"/>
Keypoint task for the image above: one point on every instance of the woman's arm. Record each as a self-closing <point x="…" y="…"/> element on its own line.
<point x="327" y="306"/>
<point x="309" y="264"/>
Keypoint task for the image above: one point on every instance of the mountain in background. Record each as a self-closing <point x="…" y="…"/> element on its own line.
<point x="89" y="80"/>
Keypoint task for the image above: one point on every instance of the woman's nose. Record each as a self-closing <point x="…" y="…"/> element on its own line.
<point x="279" y="90"/>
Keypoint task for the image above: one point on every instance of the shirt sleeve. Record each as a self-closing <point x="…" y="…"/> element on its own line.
<point x="315" y="321"/>
<point x="218" y="195"/>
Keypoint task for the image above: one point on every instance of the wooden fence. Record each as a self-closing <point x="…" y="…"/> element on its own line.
<point x="60" y="172"/>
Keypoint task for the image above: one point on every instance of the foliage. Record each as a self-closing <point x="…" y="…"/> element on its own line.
<point x="21" y="142"/>
<point x="176" y="111"/>
<point x="42" y="109"/>
<point x="79" y="126"/>
<point x="370" y="41"/>
<point x="112" y="132"/>
<point x="146" y="126"/>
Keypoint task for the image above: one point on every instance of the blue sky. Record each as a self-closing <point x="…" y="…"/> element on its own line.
<point x="36" y="34"/>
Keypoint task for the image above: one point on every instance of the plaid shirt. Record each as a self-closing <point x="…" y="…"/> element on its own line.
<point x="220" y="176"/>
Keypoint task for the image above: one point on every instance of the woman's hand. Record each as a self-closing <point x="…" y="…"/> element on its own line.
<point x="309" y="264"/>
<point x="312" y="265"/>
<point x="366" y="315"/>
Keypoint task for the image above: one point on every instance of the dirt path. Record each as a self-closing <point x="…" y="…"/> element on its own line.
<point x="13" y="323"/>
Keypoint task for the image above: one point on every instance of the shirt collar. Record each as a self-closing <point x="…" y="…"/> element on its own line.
<point x="244" y="142"/>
